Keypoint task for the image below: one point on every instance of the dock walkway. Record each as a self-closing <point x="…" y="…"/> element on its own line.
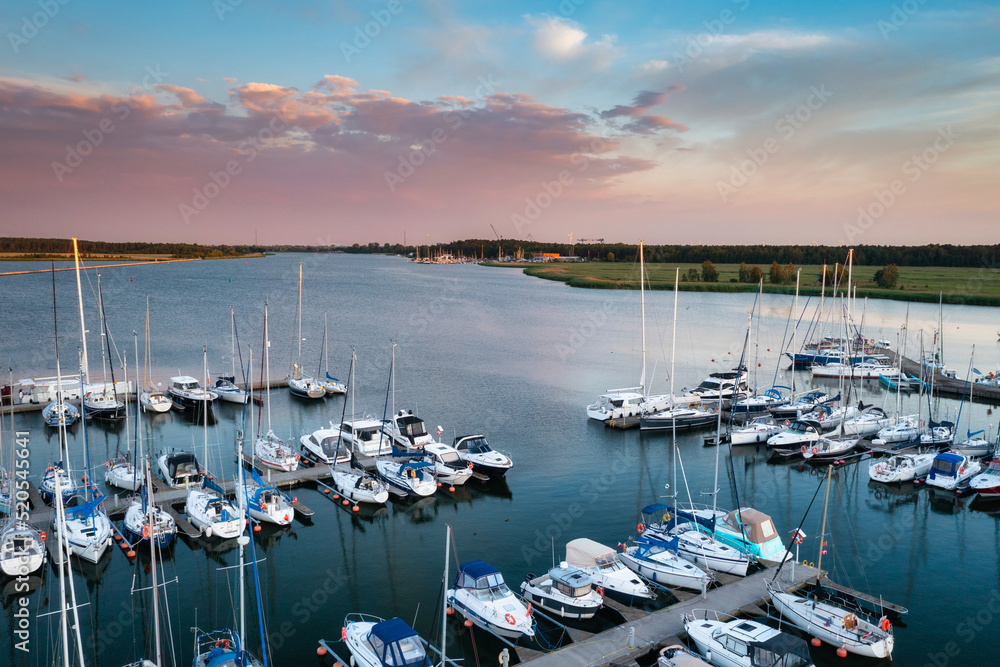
<point x="948" y="386"/>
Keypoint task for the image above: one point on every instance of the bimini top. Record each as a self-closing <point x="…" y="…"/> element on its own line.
<point x="947" y="464"/>
<point x="758" y="526"/>
<point x="477" y="569"/>
<point x="396" y="644"/>
<point x="588" y="553"/>
<point x="479" y="575"/>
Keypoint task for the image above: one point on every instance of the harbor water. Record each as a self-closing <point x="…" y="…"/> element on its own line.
<point x="491" y="351"/>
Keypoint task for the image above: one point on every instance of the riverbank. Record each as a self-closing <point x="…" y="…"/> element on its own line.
<point x="110" y="257"/>
<point x="958" y="285"/>
<point x="118" y="262"/>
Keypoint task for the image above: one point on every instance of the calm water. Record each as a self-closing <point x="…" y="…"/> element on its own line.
<point x="491" y="351"/>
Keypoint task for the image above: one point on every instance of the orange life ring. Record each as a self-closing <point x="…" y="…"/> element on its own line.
<point x="343" y="634"/>
<point x="804" y="448"/>
<point x="600" y="591"/>
<point x="222" y="643"/>
<point x="261" y="504"/>
<point x="961" y="470"/>
<point x="510" y="619"/>
<point x="815" y="451"/>
<point x="884" y="625"/>
<point x="641" y="527"/>
<point x="788" y="422"/>
<point x="145" y="531"/>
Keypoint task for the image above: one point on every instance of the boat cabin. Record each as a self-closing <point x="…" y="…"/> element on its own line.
<point x="327" y="444"/>
<point x="366" y="436"/>
<point x="948" y="465"/>
<point x="765" y="646"/>
<point x="396" y="644"/>
<point x="445" y="455"/>
<point x="757" y="526"/>
<point x="627" y="399"/>
<point x="407" y="425"/>
<point x="473" y="444"/>
<point x="583" y="552"/>
<point x="571" y="581"/>
<point x="182" y="468"/>
<point x="185" y="383"/>
<point x="482" y="578"/>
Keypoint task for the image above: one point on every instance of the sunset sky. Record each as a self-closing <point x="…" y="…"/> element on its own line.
<point x="347" y="121"/>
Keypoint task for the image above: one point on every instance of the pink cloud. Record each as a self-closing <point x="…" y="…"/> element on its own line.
<point x="188" y="97"/>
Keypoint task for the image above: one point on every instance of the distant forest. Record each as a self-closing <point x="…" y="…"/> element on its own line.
<point x="764" y="255"/>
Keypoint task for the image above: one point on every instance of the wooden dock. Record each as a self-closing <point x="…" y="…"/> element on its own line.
<point x="657" y="629"/>
<point x="948" y="386"/>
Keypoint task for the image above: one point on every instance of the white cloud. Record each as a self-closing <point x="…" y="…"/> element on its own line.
<point x="654" y="66"/>
<point x="564" y="40"/>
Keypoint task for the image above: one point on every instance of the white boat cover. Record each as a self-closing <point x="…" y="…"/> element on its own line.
<point x="588" y="553"/>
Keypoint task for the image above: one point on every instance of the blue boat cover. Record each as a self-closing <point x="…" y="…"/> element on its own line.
<point x="655" y="508"/>
<point x="953" y="458"/>
<point x="477" y="569"/>
<point x="210" y="484"/>
<point x="650" y="547"/>
<point x="393" y="630"/>
<point x="416" y="465"/>
<point x="680" y="516"/>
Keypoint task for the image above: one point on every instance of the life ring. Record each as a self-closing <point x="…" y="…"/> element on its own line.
<point x="961" y="470"/>
<point x="815" y="451"/>
<point x="804" y="449"/>
<point x="600" y="591"/>
<point x="343" y="634"/>
<point x="510" y="619"/>
<point x="107" y="464"/>
<point x="145" y="531"/>
<point x="222" y="643"/>
<point x="261" y="504"/>
<point x="641" y="527"/>
<point x="470" y="465"/>
<point x="884" y="625"/>
<point x="788" y="422"/>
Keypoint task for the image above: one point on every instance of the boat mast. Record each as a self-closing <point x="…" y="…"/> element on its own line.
<point x="267" y="364"/>
<point x="63" y="558"/>
<point x="326" y="347"/>
<point x="392" y="373"/>
<point x="63" y="440"/>
<point x="850" y="306"/>
<point x="83" y="329"/>
<point x="756" y="335"/>
<point x="673" y="355"/>
<point x="298" y="309"/>
<point x="822" y="535"/>
<point x="104" y="361"/>
<point x="152" y="551"/>
<point x="232" y="353"/>
<point x="795" y="326"/>
<point x="444" y="616"/>
<point x="204" y="407"/>
<point x="642" y="301"/>
<point x="145" y="351"/>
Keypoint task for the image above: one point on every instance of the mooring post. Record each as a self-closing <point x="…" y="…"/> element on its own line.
<point x="631" y="637"/>
<point x="504" y="658"/>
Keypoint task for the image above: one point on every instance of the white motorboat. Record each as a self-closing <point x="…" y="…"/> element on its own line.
<point x="272" y="451"/>
<point x="657" y="561"/>
<point x="154" y="401"/>
<point x="357" y="486"/>
<point x="951" y="471"/>
<point x="565" y="591"/>
<point x="801" y="405"/>
<point x="407" y="431"/>
<point x="607" y="571"/>
<point x="901" y="467"/>
<point x="481" y="596"/>
<point x="869" y="422"/>
<point x="267" y="503"/>
<point x="365" y="437"/>
<point x="448" y="464"/>
<point x="485" y="460"/>
<point x="797" y="434"/>
<point x="122" y="474"/>
<point x="834" y="625"/>
<point x="211" y="513"/>
<point x="137" y="520"/>
<point x="987" y="484"/>
<point x="60" y="413"/>
<point x="621" y="403"/>
<point x="377" y="643"/>
<point x="225" y="388"/>
<point x="411" y="478"/>
<point x="323" y="446"/>
<point x="903" y="431"/>
<point x="179" y="469"/>
<point x="866" y="370"/>
<point x="757" y="431"/>
<point x="744" y="643"/>
<point x="186" y="393"/>
<point x="829" y="449"/>
<point x="22" y="548"/>
<point x="677" y="418"/>
<point x="727" y="385"/>
<point x="676" y="655"/>
<point x="664" y="523"/>
<point x="40" y="391"/>
<point x="745" y="529"/>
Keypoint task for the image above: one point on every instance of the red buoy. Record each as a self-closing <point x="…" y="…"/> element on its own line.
<point x="451" y="489"/>
<point x="321" y="651"/>
<point x="815" y="641"/>
<point x="841" y="652"/>
<point x="256" y="528"/>
<point x="468" y="623"/>
<point x="130" y="554"/>
<point x="355" y="508"/>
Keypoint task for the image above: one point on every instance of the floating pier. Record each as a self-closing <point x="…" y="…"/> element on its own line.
<point x="948" y="386"/>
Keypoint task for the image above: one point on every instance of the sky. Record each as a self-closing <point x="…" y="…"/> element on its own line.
<point x="350" y="121"/>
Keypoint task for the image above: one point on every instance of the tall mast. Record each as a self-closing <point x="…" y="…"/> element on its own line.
<point x="850" y="270"/>
<point x="63" y="441"/>
<point x="392" y="371"/>
<point x="63" y="559"/>
<point x="822" y="534"/>
<point x="756" y="336"/>
<point x="326" y="346"/>
<point x="104" y="340"/>
<point x="267" y="364"/>
<point x="242" y="541"/>
<point x="83" y="329"/>
<point x="444" y="618"/>
<point x="204" y="408"/>
<point x="145" y="351"/>
<point x="152" y="551"/>
<point x="232" y="353"/>
<point x="642" y="300"/>
<point x="673" y="355"/>
<point x="298" y="364"/>
<point x="795" y="326"/>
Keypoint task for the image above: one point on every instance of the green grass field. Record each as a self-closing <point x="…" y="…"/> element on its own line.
<point x="973" y="286"/>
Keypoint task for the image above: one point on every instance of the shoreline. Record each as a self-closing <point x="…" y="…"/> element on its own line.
<point x="118" y="261"/>
<point x="550" y="271"/>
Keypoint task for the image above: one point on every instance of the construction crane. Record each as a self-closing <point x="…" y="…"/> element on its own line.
<point x="499" y="238"/>
<point x="570" y="235"/>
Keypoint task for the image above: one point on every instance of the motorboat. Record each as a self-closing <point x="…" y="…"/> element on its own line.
<point x="38" y="391"/>
<point x="657" y="561"/>
<point x="322" y="445"/>
<point x="407" y="431"/>
<point x="800" y="405"/>
<point x="745" y="529"/>
<point x="485" y="460"/>
<point x="797" y="434"/>
<point x="179" y="469"/>
<point x="695" y="541"/>
<point x="904" y="431"/>
<point x="727" y="386"/>
<point x="565" y="591"/>
<point x="87" y="529"/>
<point x="122" y="474"/>
<point x="757" y="431"/>
<point x="226" y="389"/>
<point x="677" y="418"/>
<point x="356" y="485"/>
<point x="60" y="413"/>
<point x="411" y="478"/>
<point x="608" y="571"/>
<point x="951" y="471"/>
<point x="866" y="370"/>
<point x="186" y="393"/>
<point x="377" y="643"/>
<point x="676" y="655"/>
<point x="765" y="402"/>
<point x="901" y="467"/>
<point x="136" y="523"/>
<point x="743" y="642"/>
<point x="867" y="423"/>
<point x="628" y="402"/>
<point x="267" y="503"/>
<point x="830" y="449"/>
<point x="987" y="483"/>
<point x="272" y="452"/>
<point x="365" y="437"/>
<point x="844" y="628"/>
<point x="22" y="548"/>
<point x="211" y="513"/>
<point x="448" y="464"/>
<point x="154" y="401"/>
<point x="481" y="596"/>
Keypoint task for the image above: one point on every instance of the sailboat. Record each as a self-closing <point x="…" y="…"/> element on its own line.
<point x="267" y="503"/>
<point x="103" y="403"/>
<point x="330" y="383"/>
<point x="207" y="507"/>
<point x="225" y="386"/>
<point x="268" y="448"/>
<point x="122" y="472"/>
<point x="975" y="443"/>
<point x="822" y="617"/>
<point x="150" y="398"/>
<point x="631" y="401"/>
<point x="299" y="384"/>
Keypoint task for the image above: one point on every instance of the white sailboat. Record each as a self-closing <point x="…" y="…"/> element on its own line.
<point x="22" y="546"/>
<point x="300" y="384"/>
<point x="150" y="398"/>
<point x="121" y="472"/>
<point x="330" y="383"/>
<point x="268" y="448"/>
<point x="225" y="386"/>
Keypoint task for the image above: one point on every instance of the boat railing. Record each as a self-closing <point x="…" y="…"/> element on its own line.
<point x="359" y="617"/>
<point x="708" y="615"/>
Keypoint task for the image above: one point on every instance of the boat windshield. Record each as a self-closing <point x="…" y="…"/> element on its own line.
<point x="781" y="651"/>
<point x="411" y="426"/>
<point x="944" y="467"/>
<point x="450" y="456"/>
<point x="476" y="446"/>
<point x="708" y="385"/>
